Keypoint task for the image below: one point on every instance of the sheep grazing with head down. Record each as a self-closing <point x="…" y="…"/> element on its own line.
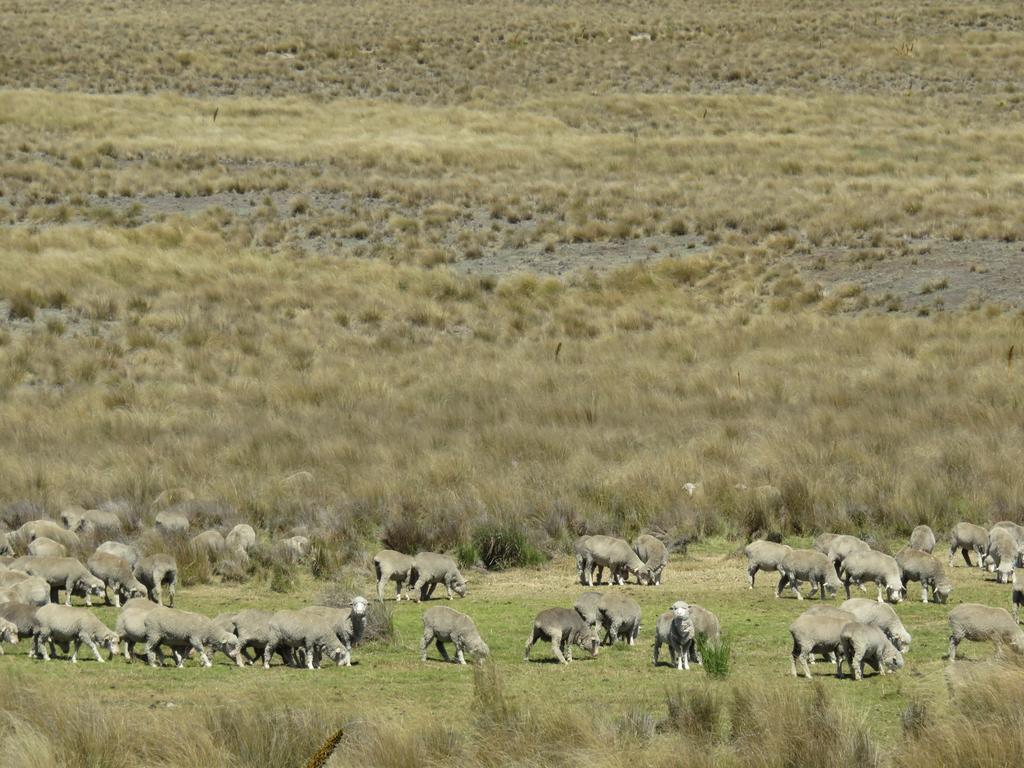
<point x="810" y="566"/>
<point x="116" y="576"/>
<point x="869" y="565"/>
<point x="61" y="625"/>
<point x="241" y="538"/>
<point x="600" y="552"/>
<point x="131" y="625"/>
<point x="917" y="565"/>
<point x="764" y="556"/>
<point x="843" y="546"/>
<point x="347" y="622"/>
<point x="156" y="572"/>
<point x="1002" y="553"/>
<point x="431" y="569"/>
<point x="922" y="538"/>
<point x="443" y="625"/>
<point x="879" y="615"/>
<point x="563" y="628"/>
<point x="863" y="644"/>
<point x="184" y="632"/>
<point x="68" y="574"/>
<point x="971" y="621"/>
<point x="654" y="554"/>
<point x="821" y="634"/>
<point x="968" y="537"/>
<point x="292" y="632"/>
<point x="620" y="617"/>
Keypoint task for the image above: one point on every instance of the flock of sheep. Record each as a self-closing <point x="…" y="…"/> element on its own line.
<point x="859" y="632"/>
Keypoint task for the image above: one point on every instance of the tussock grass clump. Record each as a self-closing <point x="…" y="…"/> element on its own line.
<point x="501" y="546"/>
<point x="716" y="656"/>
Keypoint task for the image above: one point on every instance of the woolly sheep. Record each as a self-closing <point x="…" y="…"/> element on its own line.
<point x="126" y="552"/>
<point x="116" y="576"/>
<point x="922" y="538"/>
<point x="241" y="538"/>
<point x="131" y="625"/>
<point x="617" y="556"/>
<point x="619" y="615"/>
<point x="35" y="529"/>
<point x="432" y="569"/>
<point x="587" y="607"/>
<point x="209" y="543"/>
<point x="579" y="549"/>
<point x="674" y="629"/>
<point x="706" y="628"/>
<point x="879" y="615"/>
<point x="443" y="625"/>
<point x="862" y="643"/>
<point x="878" y="567"/>
<point x="563" y="628"/>
<point x="971" y="621"/>
<point x="169" y="522"/>
<point x="183" y="631"/>
<point x="968" y="537"/>
<point x="23" y="617"/>
<point x="764" y="556"/>
<point x="348" y="624"/>
<point x="155" y="572"/>
<point x="816" y="634"/>
<point x="9" y="578"/>
<point x="46" y="547"/>
<point x="252" y="628"/>
<point x="810" y="566"/>
<point x="918" y="565"/>
<point x="843" y="546"/>
<point x="62" y="625"/>
<point x="654" y="554"/>
<point x="291" y="631"/>
<point x="294" y="548"/>
<point x="1015" y="530"/>
<point x="823" y="541"/>
<point x="68" y="574"/>
<point x="8" y="634"/>
<point x="90" y="520"/>
<point x="1002" y="552"/>
<point x="390" y="565"/>
<point x="32" y="590"/>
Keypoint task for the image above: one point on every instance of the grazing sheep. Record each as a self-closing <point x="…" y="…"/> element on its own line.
<point x="241" y="538"/>
<point x="654" y="554"/>
<point x="922" y="538"/>
<point x="252" y="628"/>
<point x="292" y="631"/>
<point x="8" y="634"/>
<point x="674" y="629"/>
<point x="431" y="569"/>
<point x="587" y="606"/>
<point x="1015" y="530"/>
<point x="832" y="611"/>
<point x="23" y="617"/>
<point x="390" y="565"/>
<point x="90" y="520"/>
<point x="156" y="571"/>
<point x="706" y="627"/>
<point x="968" y="537"/>
<point x="617" y="556"/>
<point x="823" y="541"/>
<point x="563" y="628"/>
<point x="1017" y="597"/>
<point x="117" y="576"/>
<point x="62" y="625"/>
<point x="126" y="552"/>
<point x="878" y="567"/>
<point x="71" y="517"/>
<point x="879" y="615"/>
<point x="209" y="543"/>
<point x="971" y="621"/>
<point x="863" y="643"/>
<point x="918" y="565"/>
<point x="1002" y="552"/>
<point x="816" y="634"/>
<point x="168" y="522"/>
<point x="35" y="529"/>
<point x="131" y="624"/>
<point x="348" y="624"/>
<point x="294" y="548"/>
<point x="619" y="615"/>
<point x="843" y="546"/>
<point x="579" y="549"/>
<point x="9" y="578"/>
<point x="183" y="631"/>
<point x="764" y="556"/>
<point x="443" y="625"/>
<point x="45" y="547"/>
<point x="810" y="566"/>
<point x="68" y="574"/>
<point x="32" y="590"/>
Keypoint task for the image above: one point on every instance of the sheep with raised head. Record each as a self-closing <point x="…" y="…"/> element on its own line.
<point x="869" y="565"/>
<point x="431" y="569"/>
<point x="65" y="573"/>
<point x="864" y="644"/>
<point x="972" y="621"/>
<point x="881" y="615"/>
<point x="617" y="556"/>
<point x="1002" y="553"/>
<point x="183" y="632"/>
<point x="675" y="630"/>
<point x="918" y="565"/>
<point x="810" y="566"/>
<point x="117" y="576"/>
<point x="348" y="624"/>
<point x="131" y="624"/>
<point x="389" y="565"/>
<point x="654" y="554"/>
<point x="295" y="631"/>
<point x="443" y="625"/>
<point x="764" y="556"/>
<point x="563" y="628"/>
<point x="968" y="537"/>
<point x="62" y="625"/>
<point x="922" y="538"/>
<point x="156" y="572"/>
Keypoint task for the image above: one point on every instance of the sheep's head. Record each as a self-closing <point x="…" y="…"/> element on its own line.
<point x="1018" y="642"/>
<point x="645" y="575"/>
<point x="681" y="610"/>
<point x="892" y="658"/>
<point x="112" y="643"/>
<point x="228" y="644"/>
<point x="333" y="649"/>
<point x="359" y="606"/>
<point x="133" y="590"/>
<point x="896" y="592"/>
<point x="477" y="647"/>
<point x="941" y="592"/>
<point x="901" y="639"/>
<point x="459" y="586"/>
<point x="588" y="640"/>
<point x="9" y="634"/>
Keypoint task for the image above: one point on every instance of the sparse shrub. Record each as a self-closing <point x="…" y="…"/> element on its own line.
<point x="282" y="577"/>
<point x="22" y="305"/>
<point x="505" y="546"/>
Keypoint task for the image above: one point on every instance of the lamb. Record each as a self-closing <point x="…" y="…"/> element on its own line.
<point x="863" y="643"/>
<point x="62" y="625"/>
<point x="971" y="621"/>
<point x="156" y="571"/>
<point x="619" y="615"/>
<point x="117" y="576"/>
<point x="654" y="554"/>
<point x="882" y="616"/>
<point x="563" y="628"/>
<point x="131" y="624"/>
<point x="68" y="574"/>
<point x="443" y="625"/>
<point x="169" y="522"/>
<point x="617" y="556"/>
<point x="823" y="541"/>
<point x="241" y="538"/>
<point x="126" y="552"/>
<point x="968" y="537"/>
<point x="880" y="568"/>
<point x="348" y="624"/>
<point x="390" y="565"/>
<point x="587" y="606"/>
<point x="8" y="634"/>
<point x="816" y="634"/>
<point x="291" y="631"/>
<point x="45" y="547"/>
<point x="1002" y="552"/>
<point x="579" y="549"/>
<point x="183" y="631"/>
<point x="922" y="538"/>
<point x="1017" y="597"/>
<point x="843" y="546"/>
<point x="764" y="556"/>
<point x="918" y="565"/>
<point x="813" y="567"/>
<point x="675" y="630"/>
<point x="432" y="569"/>
<point x="252" y="628"/>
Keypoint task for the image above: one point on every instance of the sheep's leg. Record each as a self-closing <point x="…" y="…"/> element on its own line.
<point x="533" y="638"/>
<point x="924" y="592"/>
<point x="557" y="651"/>
<point x="751" y="571"/>
<point x="94" y="648"/>
<point x="657" y="649"/>
<point x="170" y="593"/>
<point x="268" y="653"/>
<point x="633" y="634"/>
<point x="783" y="581"/>
<point x="310" y="655"/>
<point x="441" y="649"/>
<point x="460" y="655"/>
<point x="611" y="634"/>
<point x="838" y="659"/>
<point x="68" y="586"/>
<point x="428" y="637"/>
<point x="448" y="587"/>
<point x="158" y="593"/>
<point x="151" y="653"/>
<point x="431" y="589"/>
<point x="117" y="597"/>
<point x="953" y="643"/>
<point x="129" y="649"/>
<point x="398" y="590"/>
<point x="600" y="573"/>
<point x="880" y="599"/>
<point x="795" y="584"/>
<point x="803" y="661"/>
<point x="381" y="581"/>
<point x="846" y="585"/>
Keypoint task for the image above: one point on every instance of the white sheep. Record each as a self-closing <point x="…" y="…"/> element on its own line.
<point x="764" y="556"/>
<point x="62" y="625"/>
<point x="971" y="621"/>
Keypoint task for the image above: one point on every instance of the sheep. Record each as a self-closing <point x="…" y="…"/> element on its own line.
<point x="32" y="590"/>
<point x="126" y="552"/>
<point x="90" y="520"/>
<point x="879" y="615"/>
<point x="241" y="538"/>
<point x="390" y="565"/>
<point x="878" y="567"/>
<point x="68" y="574"/>
<point x="823" y="541"/>
<point x="918" y="565"/>
<point x="441" y="624"/>
<point x="46" y="547"/>
<point x="674" y="629"/>
<point x="922" y="538"/>
<point x="563" y="628"/>
<point x="706" y="627"/>
<point x="816" y="634"/>
<point x="209" y="543"/>
<point x="348" y="624"/>
<point x="117" y="576"/>
<point x="764" y="556"/>
<point x="291" y="631"/>
<point x="968" y="537"/>
<point x="832" y="611"/>
<point x="62" y="624"/>
<point x="294" y="548"/>
<point x="619" y="615"/>
<point x="131" y="624"/>
<point x="1017" y="597"/>
<point x="654" y="554"/>
<point x="432" y="569"/>
<point x="813" y="567"/>
<point x="155" y="571"/>
<point x="971" y="621"/>
<point x="1015" y="530"/>
<point x="864" y="643"/>
<point x="71" y="517"/>
<point x="169" y="522"/>
<point x="843" y="546"/>
<point x="252" y="628"/>
<point x="35" y="529"/>
<point x="579" y="549"/>
<point x="8" y="634"/>
<point x="23" y="617"/>
<point x="9" y="578"/>
<point x="587" y="606"/>
<point x="1002" y="552"/>
<point x="617" y="556"/>
<point x="183" y="631"/>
